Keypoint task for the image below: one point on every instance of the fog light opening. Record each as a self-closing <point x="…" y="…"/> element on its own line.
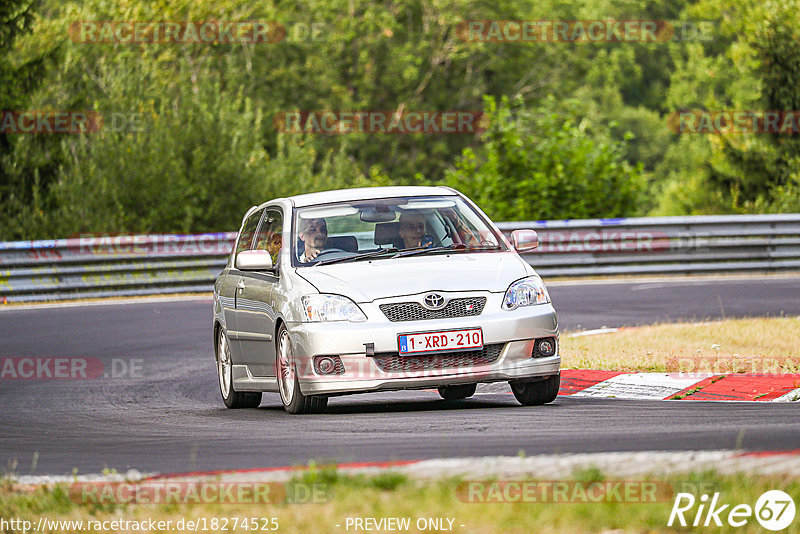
<point x="328" y="365"/>
<point x="544" y="348"/>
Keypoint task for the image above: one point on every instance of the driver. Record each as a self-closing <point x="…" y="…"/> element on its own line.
<point x="314" y="234"/>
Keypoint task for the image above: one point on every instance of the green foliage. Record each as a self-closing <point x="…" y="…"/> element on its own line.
<point x="753" y="64"/>
<point x="389" y="480"/>
<point x="546" y="165"/>
<point x="150" y="180"/>
<point x="778" y="48"/>
<point x="44" y="499"/>
<point x="19" y="185"/>
<point x="16" y="17"/>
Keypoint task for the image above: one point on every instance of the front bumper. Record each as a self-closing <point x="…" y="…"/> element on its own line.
<point x="514" y="331"/>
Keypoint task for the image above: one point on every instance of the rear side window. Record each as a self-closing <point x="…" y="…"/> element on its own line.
<point x="248" y="231"/>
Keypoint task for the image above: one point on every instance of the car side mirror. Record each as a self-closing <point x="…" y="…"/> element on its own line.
<point x="254" y="260"/>
<point x="525" y="240"/>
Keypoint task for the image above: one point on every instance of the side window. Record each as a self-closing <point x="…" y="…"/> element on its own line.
<point x="270" y="234"/>
<point x="248" y="230"/>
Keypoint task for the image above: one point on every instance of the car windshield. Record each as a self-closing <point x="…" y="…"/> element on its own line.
<point x="389" y="228"/>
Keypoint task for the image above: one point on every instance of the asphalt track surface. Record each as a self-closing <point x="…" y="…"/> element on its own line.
<point x="168" y="416"/>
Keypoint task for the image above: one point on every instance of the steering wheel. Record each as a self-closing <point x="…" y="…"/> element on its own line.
<point x="328" y="251"/>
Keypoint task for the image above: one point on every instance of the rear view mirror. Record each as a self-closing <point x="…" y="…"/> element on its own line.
<point x="254" y="260"/>
<point x="525" y="240"/>
<point x="377" y="215"/>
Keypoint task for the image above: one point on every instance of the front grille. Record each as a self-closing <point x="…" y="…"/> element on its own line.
<point x="413" y="311"/>
<point x="392" y="362"/>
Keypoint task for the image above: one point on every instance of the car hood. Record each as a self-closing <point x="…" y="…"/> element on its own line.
<point x="365" y="281"/>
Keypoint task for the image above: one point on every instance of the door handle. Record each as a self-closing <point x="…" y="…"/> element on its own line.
<point x="240" y="285"/>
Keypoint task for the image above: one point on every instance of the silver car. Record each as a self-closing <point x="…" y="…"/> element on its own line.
<point x="377" y="289"/>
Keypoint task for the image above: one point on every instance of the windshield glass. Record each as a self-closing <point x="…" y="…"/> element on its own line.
<point x="340" y="231"/>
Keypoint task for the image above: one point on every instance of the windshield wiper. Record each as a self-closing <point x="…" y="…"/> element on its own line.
<point x="455" y="247"/>
<point x="484" y="247"/>
<point x="418" y="250"/>
<point x="399" y="253"/>
<point x="357" y="257"/>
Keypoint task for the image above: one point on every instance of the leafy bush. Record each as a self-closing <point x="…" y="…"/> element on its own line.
<point x="546" y="164"/>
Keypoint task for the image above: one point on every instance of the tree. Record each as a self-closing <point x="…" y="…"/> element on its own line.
<point x="546" y="164"/>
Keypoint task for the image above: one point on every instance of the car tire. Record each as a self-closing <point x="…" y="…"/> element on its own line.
<point x="233" y="399"/>
<point x="461" y="391"/>
<point x="537" y="393"/>
<point x="294" y="401"/>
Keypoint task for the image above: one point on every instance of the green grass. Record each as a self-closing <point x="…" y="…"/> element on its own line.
<point x="392" y="494"/>
<point x="760" y="345"/>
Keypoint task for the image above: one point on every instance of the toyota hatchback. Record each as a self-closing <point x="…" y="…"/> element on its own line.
<point x="377" y="289"/>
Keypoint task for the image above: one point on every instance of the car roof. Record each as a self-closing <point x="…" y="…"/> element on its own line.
<point x="367" y="193"/>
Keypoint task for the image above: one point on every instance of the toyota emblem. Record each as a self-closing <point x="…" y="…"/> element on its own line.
<point x="434" y="301"/>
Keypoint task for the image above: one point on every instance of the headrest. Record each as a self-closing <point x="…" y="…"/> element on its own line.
<point x="387" y="233"/>
<point x="344" y="242"/>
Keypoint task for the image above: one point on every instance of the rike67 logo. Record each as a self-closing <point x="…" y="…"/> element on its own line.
<point x="774" y="510"/>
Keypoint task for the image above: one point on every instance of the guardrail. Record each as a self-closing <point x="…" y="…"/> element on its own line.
<point x="102" y="266"/>
<point x="665" y="245"/>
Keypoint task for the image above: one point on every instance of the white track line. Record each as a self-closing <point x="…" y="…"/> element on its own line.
<point x="792" y="396"/>
<point x="596" y="331"/>
<point x="673" y="279"/>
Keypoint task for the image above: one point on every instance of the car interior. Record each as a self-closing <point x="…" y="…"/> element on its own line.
<point x="386" y="233"/>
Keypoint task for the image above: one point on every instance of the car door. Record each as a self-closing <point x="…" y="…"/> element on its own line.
<point x="234" y="284"/>
<point x="255" y="309"/>
<point x="226" y="302"/>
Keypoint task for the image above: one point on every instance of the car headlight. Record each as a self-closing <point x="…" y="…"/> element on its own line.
<point x="331" y="308"/>
<point x="525" y="292"/>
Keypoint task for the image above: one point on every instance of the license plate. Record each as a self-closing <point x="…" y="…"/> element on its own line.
<point x="447" y="341"/>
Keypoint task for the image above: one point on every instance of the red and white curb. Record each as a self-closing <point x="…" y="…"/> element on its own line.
<point x="670" y="386"/>
<point x="680" y="386"/>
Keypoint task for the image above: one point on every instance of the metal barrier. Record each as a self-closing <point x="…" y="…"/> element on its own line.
<point x="102" y="266"/>
<point x="665" y="245"/>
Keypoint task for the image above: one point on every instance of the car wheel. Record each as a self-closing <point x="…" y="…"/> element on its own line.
<point x="461" y="391"/>
<point x="232" y="399"/>
<point x="536" y="393"/>
<point x="288" y="383"/>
